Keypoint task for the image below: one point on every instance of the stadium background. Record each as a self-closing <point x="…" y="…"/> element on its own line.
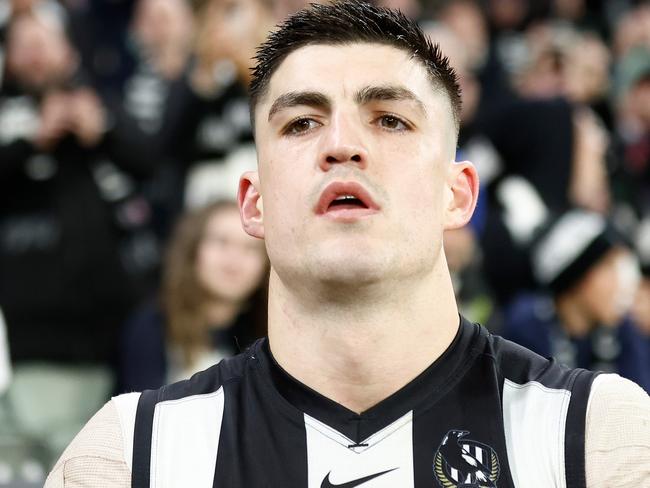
<point x="120" y="118"/>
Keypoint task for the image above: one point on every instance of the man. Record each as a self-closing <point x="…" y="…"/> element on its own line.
<point x="368" y="377"/>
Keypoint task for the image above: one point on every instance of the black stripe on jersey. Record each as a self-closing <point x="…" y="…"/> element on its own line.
<point x="207" y="381"/>
<point x="142" y="438"/>
<point x="521" y="366"/>
<point x="574" y="439"/>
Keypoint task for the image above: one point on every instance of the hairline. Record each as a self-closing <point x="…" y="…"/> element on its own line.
<point x="436" y="84"/>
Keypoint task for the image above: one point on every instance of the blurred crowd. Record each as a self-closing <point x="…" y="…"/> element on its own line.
<point x="124" y="127"/>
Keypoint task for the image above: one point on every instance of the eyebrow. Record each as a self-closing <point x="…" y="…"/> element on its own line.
<point x="364" y="96"/>
<point x="294" y="99"/>
<point x="387" y="92"/>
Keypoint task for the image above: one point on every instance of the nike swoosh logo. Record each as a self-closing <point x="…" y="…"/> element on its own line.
<point x="351" y="484"/>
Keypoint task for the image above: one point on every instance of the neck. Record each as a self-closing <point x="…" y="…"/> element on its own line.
<point x="359" y="352"/>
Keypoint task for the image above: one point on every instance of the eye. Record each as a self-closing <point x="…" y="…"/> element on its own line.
<point x="300" y="126"/>
<point x="393" y="123"/>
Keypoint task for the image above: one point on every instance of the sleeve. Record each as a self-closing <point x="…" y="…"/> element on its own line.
<point x="617" y="439"/>
<point x="95" y="458"/>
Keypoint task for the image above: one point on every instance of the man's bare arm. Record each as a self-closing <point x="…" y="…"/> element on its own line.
<point x="617" y="443"/>
<point x="95" y="458"/>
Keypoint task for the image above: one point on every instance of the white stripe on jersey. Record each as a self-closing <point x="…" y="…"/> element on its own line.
<point x="534" y="419"/>
<point x="389" y="449"/>
<point x="185" y="440"/>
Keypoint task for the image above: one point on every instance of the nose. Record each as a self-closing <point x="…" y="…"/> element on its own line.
<point x="342" y="144"/>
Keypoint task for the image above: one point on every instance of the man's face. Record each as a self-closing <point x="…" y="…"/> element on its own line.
<point x="363" y="124"/>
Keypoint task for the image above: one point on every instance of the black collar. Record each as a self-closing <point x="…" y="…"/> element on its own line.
<point x="429" y="386"/>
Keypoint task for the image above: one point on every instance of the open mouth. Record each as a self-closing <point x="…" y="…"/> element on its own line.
<point x="347" y="202"/>
<point x="346" y="199"/>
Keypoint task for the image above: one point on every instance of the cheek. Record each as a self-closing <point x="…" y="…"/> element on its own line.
<point x="601" y="288"/>
<point x="208" y="261"/>
<point x="286" y="196"/>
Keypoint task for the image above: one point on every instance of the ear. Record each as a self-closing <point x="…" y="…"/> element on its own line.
<point x="250" y="203"/>
<point x="462" y="194"/>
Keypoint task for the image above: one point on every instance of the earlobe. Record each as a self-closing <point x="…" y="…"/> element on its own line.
<point x="250" y="203"/>
<point x="463" y="187"/>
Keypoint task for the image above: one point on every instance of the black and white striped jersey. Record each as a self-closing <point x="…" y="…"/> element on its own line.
<point x="487" y="413"/>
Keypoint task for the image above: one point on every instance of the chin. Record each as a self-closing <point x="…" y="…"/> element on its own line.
<point x="353" y="270"/>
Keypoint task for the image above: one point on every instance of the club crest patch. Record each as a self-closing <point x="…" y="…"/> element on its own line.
<point x="465" y="463"/>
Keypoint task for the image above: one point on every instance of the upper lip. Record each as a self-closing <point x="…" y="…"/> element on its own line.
<point x="340" y="188"/>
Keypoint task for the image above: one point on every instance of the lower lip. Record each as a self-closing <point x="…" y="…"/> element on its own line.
<point x="349" y="214"/>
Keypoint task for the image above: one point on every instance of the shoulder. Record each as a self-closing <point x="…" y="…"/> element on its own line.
<point x="521" y="365"/>
<point x="99" y="455"/>
<point x="225" y="373"/>
<point x="617" y="444"/>
<point x="617" y="398"/>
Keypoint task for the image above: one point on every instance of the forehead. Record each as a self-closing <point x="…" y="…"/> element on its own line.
<point x="340" y="70"/>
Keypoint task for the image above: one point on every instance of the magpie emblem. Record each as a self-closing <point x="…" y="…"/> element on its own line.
<point x="465" y="463"/>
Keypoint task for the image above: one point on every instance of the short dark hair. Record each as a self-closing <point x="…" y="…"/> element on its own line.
<point x="350" y="21"/>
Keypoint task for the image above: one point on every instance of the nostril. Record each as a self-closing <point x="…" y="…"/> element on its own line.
<point x="334" y="158"/>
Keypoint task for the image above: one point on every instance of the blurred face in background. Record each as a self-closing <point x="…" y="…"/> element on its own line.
<point x="466" y="21"/>
<point x="637" y="102"/>
<point x="231" y="29"/>
<point x="564" y="62"/>
<point x="464" y="60"/>
<point x="641" y="309"/>
<point x="38" y="55"/>
<point x="161" y="23"/>
<point x="607" y="292"/>
<point x="587" y="70"/>
<point x="230" y="264"/>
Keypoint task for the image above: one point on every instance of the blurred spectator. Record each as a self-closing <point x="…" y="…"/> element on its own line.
<point x="564" y="62"/>
<point x="410" y="8"/>
<point x="283" y="8"/>
<point x="213" y="301"/>
<point x="632" y="30"/>
<point x="206" y="117"/>
<point x="484" y="79"/>
<point x="632" y="131"/>
<point x="548" y="145"/>
<point x="592" y="277"/>
<point x="163" y="31"/>
<point x="68" y="270"/>
<point x="98" y="29"/>
<point x="464" y="257"/>
<point x="161" y="34"/>
<point x="49" y="10"/>
<point x="641" y="308"/>
<point x="160" y="42"/>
